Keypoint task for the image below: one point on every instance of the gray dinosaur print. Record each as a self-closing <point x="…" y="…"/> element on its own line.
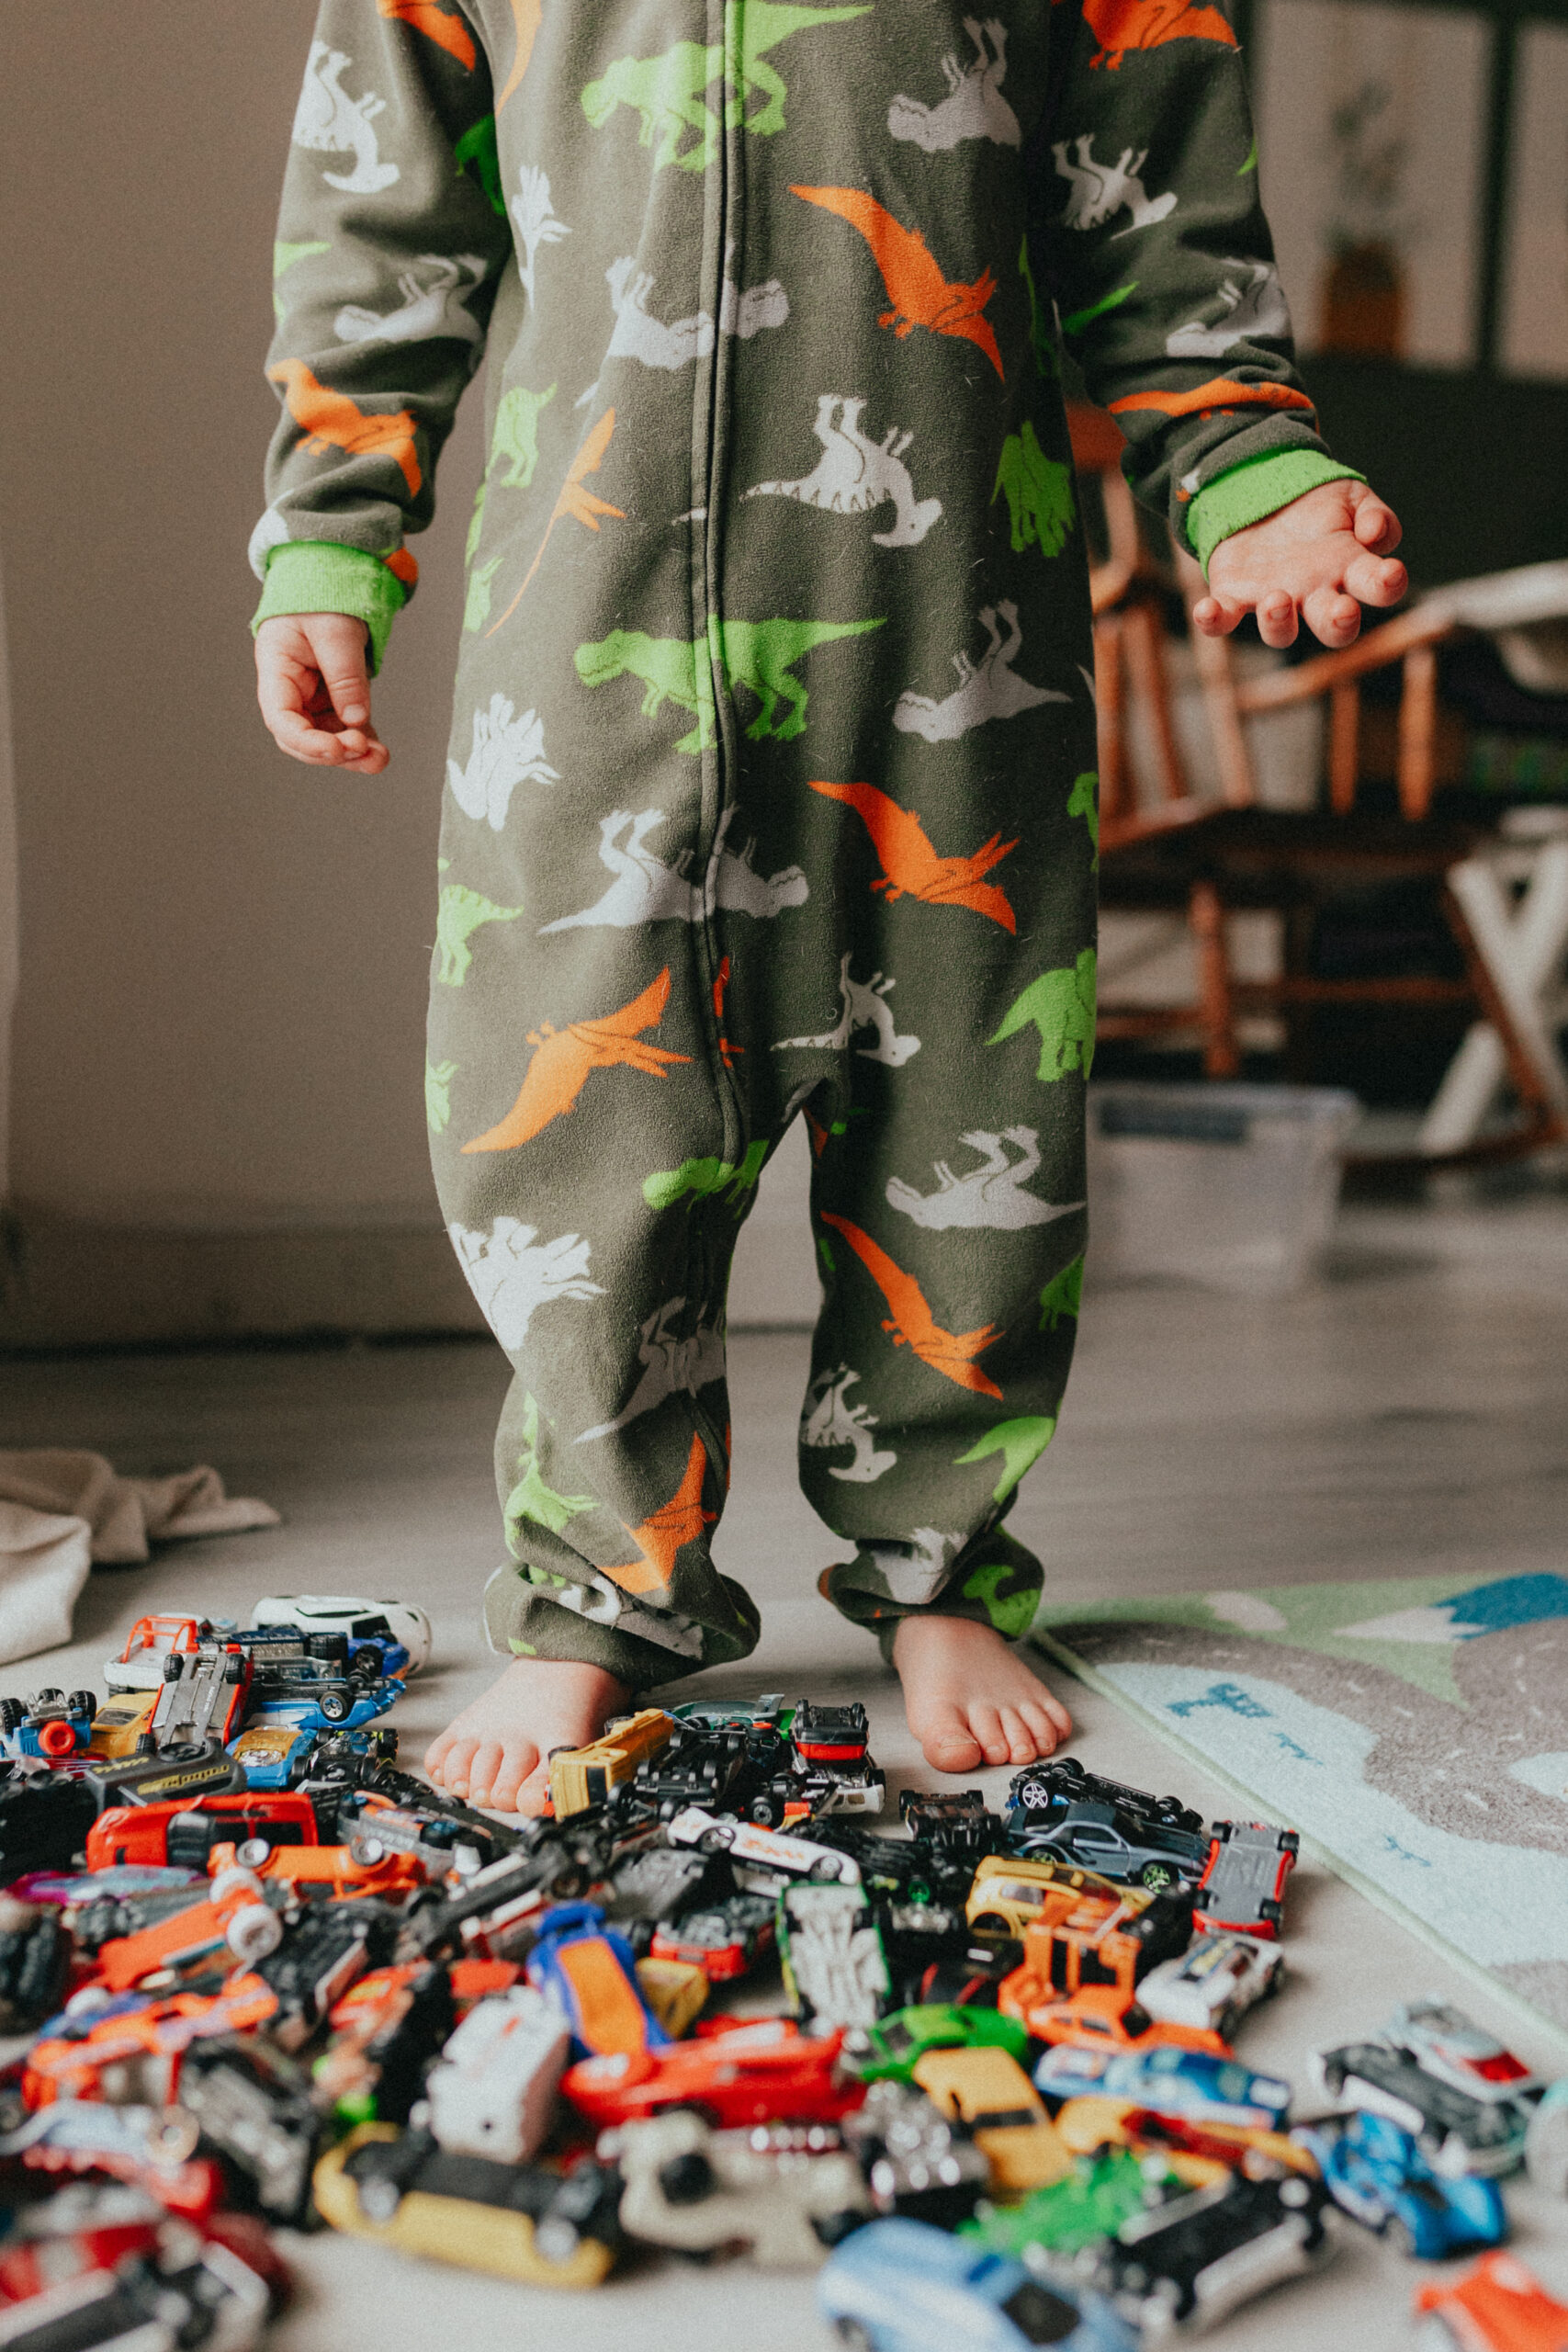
<point x="1256" y="309"/>
<point x="507" y="751"/>
<point x="681" y="342"/>
<point x="974" y="107"/>
<point x="535" y="222"/>
<point x="438" y="1077"/>
<point x="460" y="913"/>
<point x="991" y="1195"/>
<point x="865" y="1006"/>
<point x="856" y="475"/>
<point x="989" y="688"/>
<point x="512" y="1273"/>
<point x="646" y="891"/>
<point x="331" y="123"/>
<point x="830" y="1421"/>
<point x="1100" y="190"/>
<point x="671" y="1367"/>
<point x="427" y="311"/>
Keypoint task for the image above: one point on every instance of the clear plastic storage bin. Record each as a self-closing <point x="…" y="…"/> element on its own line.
<point x="1233" y="1186"/>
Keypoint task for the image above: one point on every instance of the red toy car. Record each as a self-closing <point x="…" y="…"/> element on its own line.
<point x="1497" y="2307"/>
<point x="1243" y="1885"/>
<point x="766" y="2072"/>
<point x="185" y="1834"/>
<point x="138" y="2052"/>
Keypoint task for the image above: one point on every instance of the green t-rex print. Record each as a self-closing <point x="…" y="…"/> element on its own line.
<point x="1019" y="1442"/>
<point x="1084" y="801"/>
<point x="1011" y="1614"/>
<point x="476" y="604"/>
<point x="668" y="93"/>
<point x="516" y="440"/>
<point x="1039" y="494"/>
<point x="438" y="1077"/>
<point x="1061" y="1005"/>
<point x="1062" y="1296"/>
<point x="758" y="655"/>
<point x="531" y="1498"/>
<point x="478" y="147"/>
<point x="459" y="912"/>
<point x="700" y="1179"/>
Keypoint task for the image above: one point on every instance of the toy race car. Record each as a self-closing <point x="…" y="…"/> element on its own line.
<point x="148" y="1644"/>
<point x="766" y="2072"/>
<point x="524" y="2222"/>
<point x="902" y="2286"/>
<point x="1009" y="1893"/>
<point x="276" y="1752"/>
<point x="778" y="2191"/>
<point x="1453" y="2049"/>
<point x="890" y="2050"/>
<point x="1376" y="2173"/>
<point x="1497" y="2307"/>
<point x="725" y="1767"/>
<point x="183" y="1836"/>
<point x="1455" y="2132"/>
<point x="1243" y="1881"/>
<point x="1170" y="2082"/>
<point x="918" y="2162"/>
<point x="581" y="1777"/>
<point x="724" y="1942"/>
<point x="1083" y="1941"/>
<point x="324" y="1950"/>
<point x="205" y="1698"/>
<point x="48" y="1725"/>
<point x="1193" y="2148"/>
<point x="764" y="1861"/>
<point x="1214" y="1984"/>
<point x="835" y="1969"/>
<point x="493" y="2092"/>
<point x="123" y="1724"/>
<point x="652" y="1890"/>
<point x="990" y="2095"/>
<point x="1130" y="1848"/>
<point x="397" y="1623"/>
<point x="1043" y="1792"/>
<point x="590" y="1971"/>
<point x="952" y="1824"/>
<point x="1192" y="2260"/>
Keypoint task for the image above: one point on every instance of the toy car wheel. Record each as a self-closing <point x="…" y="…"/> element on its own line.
<point x="828" y="1871"/>
<point x="12" y="2109"/>
<point x="717" y="1840"/>
<point x="556" y="2240"/>
<point x="1034" y="1794"/>
<point x="174" y="1666"/>
<point x="1226" y="2023"/>
<point x="47" y="1698"/>
<point x="379" y="2199"/>
<point x="82" y="1702"/>
<point x="766" y="1812"/>
<point x="1156" y="1876"/>
<point x="12" y="1713"/>
<point x="1333" y="2078"/>
<point x="363" y="1668"/>
<point x="990" y="1923"/>
<point x="175" y="2138"/>
<point x="335" y="1706"/>
<point x="1222" y="1831"/>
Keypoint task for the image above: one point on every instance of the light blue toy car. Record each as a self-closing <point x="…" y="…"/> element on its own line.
<point x="1379" y="2175"/>
<point x="309" y="1714"/>
<point x="1173" y="2082"/>
<point x="904" y="2287"/>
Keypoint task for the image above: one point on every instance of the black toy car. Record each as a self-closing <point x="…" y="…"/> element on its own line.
<point x="254" y="2106"/>
<point x="1191" y="2260"/>
<point x="324" y="1950"/>
<point x="35" y="1952"/>
<point x="1124" y="1846"/>
<point x="1041" y="1793"/>
<point x="44" y="1817"/>
<point x="956" y="1824"/>
<point x="722" y="1768"/>
<point x="652" y="1890"/>
<point x="901" y="1869"/>
<point x="918" y="2163"/>
<point x="1453" y="2132"/>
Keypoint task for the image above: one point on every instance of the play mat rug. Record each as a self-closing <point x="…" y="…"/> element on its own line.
<point x="1415" y="1731"/>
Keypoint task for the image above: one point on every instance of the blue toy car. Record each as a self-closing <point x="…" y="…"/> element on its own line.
<point x="336" y="1709"/>
<point x="899" y="2286"/>
<point x="49" y="1723"/>
<point x="274" y="1752"/>
<point x="1173" y="2082"/>
<point x="590" y="1969"/>
<point x="1378" y="2174"/>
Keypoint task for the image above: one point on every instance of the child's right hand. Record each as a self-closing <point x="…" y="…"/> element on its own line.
<point x="314" y="690"/>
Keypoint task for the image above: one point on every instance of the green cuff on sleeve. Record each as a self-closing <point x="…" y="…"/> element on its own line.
<point x="320" y="576"/>
<point x="1244" y="495"/>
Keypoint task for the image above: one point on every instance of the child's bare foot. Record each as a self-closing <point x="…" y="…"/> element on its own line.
<point x="970" y="1698"/>
<point x="496" y="1754"/>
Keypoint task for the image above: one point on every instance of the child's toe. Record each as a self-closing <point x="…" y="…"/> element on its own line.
<point x="1042" y="1730"/>
<point x="985" y="1723"/>
<point x="457" y="1766"/>
<point x="486" y="1762"/>
<point x="946" y="1741"/>
<point x="1020" y="1739"/>
<point x="519" y="1761"/>
<point x="533" y="1792"/>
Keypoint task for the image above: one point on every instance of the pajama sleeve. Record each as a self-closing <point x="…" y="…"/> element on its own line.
<point x="391" y="237"/>
<point x="1145" y="206"/>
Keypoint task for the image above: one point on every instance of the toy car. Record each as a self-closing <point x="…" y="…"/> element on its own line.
<point x="322" y="1952"/>
<point x="233" y="1919"/>
<point x="148" y="2148"/>
<point x="1170" y="2082"/>
<point x="764" y="2072"/>
<point x="131" y="2050"/>
<point x="47" y="1724"/>
<point x="991" y="2095"/>
<point x="590" y="1971"/>
<point x="1189" y="2262"/>
<point x="894" y="2044"/>
<point x="122" y="1722"/>
<point x="205" y="1696"/>
<point x="1546" y="2140"/>
<point x="493" y="2092"/>
<point x="329" y="1705"/>
<point x="1043" y="1792"/>
<point x="764" y="1861"/>
<point x="1497" y="2307"/>
<point x="336" y="1612"/>
<point x="675" y="1990"/>
<point x="1243" y="1881"/>
<point x="1214" y="1984"/>
<point x="724" y="1941"/>
<point x="387" y="2030"/>
<point x="151" y="1641"/>
<point x="514" y="2221"/>
<point x="1455" y="2132"/>
<point x="1102" y="2191"/>
<point x="44" y="1818"/>
<point x="955" y="1824"/>
<point x="274" y="1752"/>
<point x="1008" y="1893"/>
<point x="1080" y="1938"/>
<point x="254" y="2105"/>
<point x="719" y="1715"/>
<point x="1376" y="2173"/>
<point x="1453" y="2049"/>
<point x="901" y="2286"/>
<point x="931" y="1966"/>
<point x="653" y="1889"/>
<point x="1104" y="2016"/>
<point x="1126" y="1847"/>
<point x="194" y="2293"/>
<point x="1088" y="2123"/>
<point x="901" y="1869"/>
<point x="834" y="1967"/>
<point x="184" y="1773"/>
<point x="35" y="1953"/>
<point x="916" y="2161"/>
<point x="583" y="1776"/>
<point x="780" y="2191"/>
<point x="725" y="1767"/>
<point x="183" y="1836"/>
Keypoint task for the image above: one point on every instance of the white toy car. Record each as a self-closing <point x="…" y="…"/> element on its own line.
<point x="492" y="2090"/>
<point x="783" y="2192"/>
<point x="764" y="1861"/>
<point x="1453" y="2049"/>
<point x="342" y="1612"/>
<point x="1215" y="1984"/>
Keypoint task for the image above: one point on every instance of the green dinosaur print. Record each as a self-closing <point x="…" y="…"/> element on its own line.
<point x="478" y="147"/>
<point x="1076" y="321"/>
<point x="1019" y="1442"/>
<point x="1061" y="1005"/>
<point x="476" y="604"/>
<point x="1084" y="801"/>
<point x="698" y="1179"/>
<point x="668" y="93"/>
<point x="531" y="1498"/>
<point x="1039" y="494"/>
<point x="283" y="256"/>
<point x="1040" y="333"/>
<point x="1011" y="1614"/>
<point x="438" y="1077"/>
<point x="460" y="913"/>
<point x="824" y="1250"/>
<point x="521" y="1649"/>
<point x="1251" y="163"/>
<point x="1062" y="1296"/>
<point x="516" y="435"/>
<point x="758" y="655"/>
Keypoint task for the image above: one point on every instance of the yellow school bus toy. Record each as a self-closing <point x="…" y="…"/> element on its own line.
<point x="584" y="1776"/>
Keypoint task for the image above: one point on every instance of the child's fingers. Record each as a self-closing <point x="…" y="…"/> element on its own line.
<point x="1376" y="525"/>
<point x="1275" y="614"/>
<point x="1374" y="581"/>
<point x="1333" y="618"/>
<point x="1215" y="616"/>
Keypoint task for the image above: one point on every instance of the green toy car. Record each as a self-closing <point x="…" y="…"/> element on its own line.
<point x="1097" y="2195"/>
<point x="896" y="2043"/>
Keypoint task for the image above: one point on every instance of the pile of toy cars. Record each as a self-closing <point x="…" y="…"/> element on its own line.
<point x="268" y="1982"/>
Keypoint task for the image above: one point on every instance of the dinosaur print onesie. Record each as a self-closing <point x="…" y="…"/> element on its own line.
<point x="771" y="782"/>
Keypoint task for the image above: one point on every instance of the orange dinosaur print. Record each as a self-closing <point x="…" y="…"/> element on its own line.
<point x="402" y="566"/>
<point x="525" y="16"/>
<point x="680" y="1520"/>
<point x="560" y="1066"/>
<point x="726" y="1050"/>
<point x="949" y="1352"/>
<point x="921" y="295"/>
<point x="1218" y="396"/>
<point x="1122" y="25"/>
<point x="331" y="420"/>
<point x="449" y="33"/>
<point x="574" y="500"/>
<point x="910" y="863"/>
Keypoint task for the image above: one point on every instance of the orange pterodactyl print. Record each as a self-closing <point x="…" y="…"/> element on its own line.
<point x="1219" y="395"/>
<point x="680" y="1520"/>
<point x="1122" y="25"/>
<point x="449" y="33"/>
<point x="921" y="295"/>
<point x="574" y="500"/>
<point x="559" y="1070"/>
<point x="331" y="420"/>
<point x="525" y="14"/>
<point x="910" y="863"/>
<point x="950" y="1352"/>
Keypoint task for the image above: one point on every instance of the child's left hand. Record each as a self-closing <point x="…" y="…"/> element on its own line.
<point x="1317" y="559"/>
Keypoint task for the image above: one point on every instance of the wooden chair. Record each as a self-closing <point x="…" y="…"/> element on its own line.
<point x="1166" y="847"/>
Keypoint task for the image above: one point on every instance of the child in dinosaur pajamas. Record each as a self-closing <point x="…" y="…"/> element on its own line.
<point x="772" y="779"/>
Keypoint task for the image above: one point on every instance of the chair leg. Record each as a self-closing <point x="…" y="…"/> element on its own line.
<point x="1108" y="701"/>
<point x="1206" y="919"/>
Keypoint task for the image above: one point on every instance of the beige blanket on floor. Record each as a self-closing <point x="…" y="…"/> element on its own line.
<point x="61" y="1512"/>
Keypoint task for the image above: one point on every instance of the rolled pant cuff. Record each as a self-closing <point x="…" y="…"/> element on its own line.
<point x="535" y="1613"/>
<point x="995" y="1580"/>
